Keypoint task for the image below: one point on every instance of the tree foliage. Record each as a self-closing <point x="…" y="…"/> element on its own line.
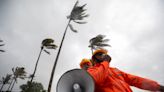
<point x="5" y="80"/>
<point x="32" y="87"/>
<point x="98" y="42"/>
<point x="77" y="15"/>
<point x="19" y="72"/>
<point x="48" y="43"/>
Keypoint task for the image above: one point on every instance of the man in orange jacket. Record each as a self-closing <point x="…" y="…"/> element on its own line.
<point x="108" y="79"/>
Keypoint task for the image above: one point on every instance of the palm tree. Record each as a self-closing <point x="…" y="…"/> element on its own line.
<point x="98" y="42"/>
<point x="46" y="44"/>
<point x="1" y="45"/>
<point x="77" y="14"/>
<point x="5" y="80"/>
<point x="18" y="72"/>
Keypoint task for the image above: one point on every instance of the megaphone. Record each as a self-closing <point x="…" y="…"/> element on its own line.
<point x="76" y="80"/>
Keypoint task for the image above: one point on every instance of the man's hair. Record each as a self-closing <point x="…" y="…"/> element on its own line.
<point x="106" y="58"/>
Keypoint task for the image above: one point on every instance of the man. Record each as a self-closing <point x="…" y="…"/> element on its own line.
<point x="108" y="79"/>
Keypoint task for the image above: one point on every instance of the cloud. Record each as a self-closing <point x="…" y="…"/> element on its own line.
<point x="135" y="29"/>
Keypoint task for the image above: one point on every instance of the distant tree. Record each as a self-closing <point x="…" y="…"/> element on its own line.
<point x="77" y="15"/>
<point x="32" y="87"/>
<point x="47" y="43"/>
<point x="18" y="72"/>
<point x="1" y="44"/>
<point x="5" y="80"/>
<point x="98" y="42"/>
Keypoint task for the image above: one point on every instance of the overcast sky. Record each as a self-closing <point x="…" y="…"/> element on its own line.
<point x="134" y="27"/>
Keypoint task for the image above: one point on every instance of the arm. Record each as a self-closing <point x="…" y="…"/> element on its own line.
<point x="99" y="71"/>
<point x="142" y="83"/>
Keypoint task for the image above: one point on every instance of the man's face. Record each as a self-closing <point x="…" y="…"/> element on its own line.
<point x="100" y="56"/>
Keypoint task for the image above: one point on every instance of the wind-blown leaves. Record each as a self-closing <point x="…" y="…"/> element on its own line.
<point x="71" y="27"/>
<point x="5" y="80"/>
<point x="19" y="72"/>
<point x="48" y="43"/>
<point x="77" y="15"/>
<point x="78" y="12"/>
<point x="32" y="87"/>
<point x="98" y="42"/>
<point x="1" y="40"/>
<point x="2" y="50"/>
<point x="2" y="45"/>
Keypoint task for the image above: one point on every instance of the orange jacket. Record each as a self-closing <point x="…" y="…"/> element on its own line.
<point x="108" y="79"/>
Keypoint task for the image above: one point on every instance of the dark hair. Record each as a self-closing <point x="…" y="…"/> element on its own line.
<point x="106" y="58"/>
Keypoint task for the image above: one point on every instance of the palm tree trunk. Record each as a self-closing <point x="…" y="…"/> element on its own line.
<point x="55" y="63"/>
<point x="2" y="87"/>
<point x="10" y="85"/>
<point x="92" y="50"/>
<point x="36" y="65"/>
<point x="13" y="85"/>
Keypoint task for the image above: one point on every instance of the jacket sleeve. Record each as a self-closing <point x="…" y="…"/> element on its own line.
<point x="142" y="83"/>
<point x="98" y="72"/>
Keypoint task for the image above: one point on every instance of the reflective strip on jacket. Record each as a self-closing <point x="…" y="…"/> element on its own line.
<point x="108" y="79"/>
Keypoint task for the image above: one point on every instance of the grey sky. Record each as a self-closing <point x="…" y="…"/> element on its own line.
<point x="134" y="27"/>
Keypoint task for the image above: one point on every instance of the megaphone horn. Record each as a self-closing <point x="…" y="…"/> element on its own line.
<point x="76" y="80"/>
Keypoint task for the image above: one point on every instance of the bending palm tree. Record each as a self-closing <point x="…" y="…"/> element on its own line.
<point x="46" y="44"/>
<point x="5" y="80"/>
<point x="98" y="42"/>
<point x="18" y="72"/>
<point x="77" y="14"/>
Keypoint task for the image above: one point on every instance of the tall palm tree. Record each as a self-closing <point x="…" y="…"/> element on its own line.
<point x="18" y="72"/>
<point x="46" y="44"/>
<point x="98" y="42"/>
<point x="77" y="15"/>
<point x="5" y="80"/>
<point x="1" y="45"/>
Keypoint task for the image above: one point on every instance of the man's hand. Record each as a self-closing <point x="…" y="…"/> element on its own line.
<point x="161" y="88"/>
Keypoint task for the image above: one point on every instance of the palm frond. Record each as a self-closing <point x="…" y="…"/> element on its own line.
<point x="98" y="42"/>
<point x="19" y="72"/>
<point x="51" y="46"/>
<point x="47" y="41"/>
<point x="71" y="27"/>
<point x="47" y="52"/>
<point x="78" y="12"/>
<point x="2" y="50"/>
<point x="79" y="22"/>
<point x="2" y="44"/>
